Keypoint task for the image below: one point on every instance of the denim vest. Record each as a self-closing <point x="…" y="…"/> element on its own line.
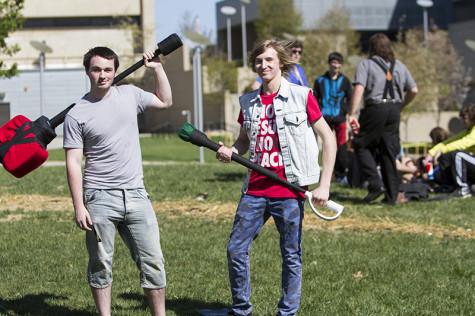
<point x="297" y="140"/>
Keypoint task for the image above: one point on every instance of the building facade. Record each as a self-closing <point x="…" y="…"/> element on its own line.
<point x="463" y="37"/>
<point x="366" y="16"/>
<point x="64" y="30"/>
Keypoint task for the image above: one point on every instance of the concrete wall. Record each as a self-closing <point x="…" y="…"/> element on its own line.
<point x="180" y="74"/>
<point x="4" y="112"/>
<point x="79" y="8"/>
<point x="419" y="125"/>
<point x="69" y="45"/>
<point x="71" y="27"/>
<point x="61" y="87"/>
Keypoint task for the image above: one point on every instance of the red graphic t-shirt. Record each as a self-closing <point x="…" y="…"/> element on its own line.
<point x="268" y="153"/>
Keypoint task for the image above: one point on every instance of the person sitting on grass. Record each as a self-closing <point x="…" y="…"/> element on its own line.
<point x="454" y="157"/>
<point x="438" y="135"/>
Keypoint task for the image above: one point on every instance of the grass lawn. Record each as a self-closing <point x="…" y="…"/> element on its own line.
<point x="414" y="259"/>
<point x="161" y="147"/>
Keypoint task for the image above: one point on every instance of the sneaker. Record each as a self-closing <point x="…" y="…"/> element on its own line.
<point x="463" y="194"/>
<point x="373" y="195"/>
<point x="342" y="181"/>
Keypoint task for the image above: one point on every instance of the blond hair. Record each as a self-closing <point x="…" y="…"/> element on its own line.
<point x="282" y="50"/>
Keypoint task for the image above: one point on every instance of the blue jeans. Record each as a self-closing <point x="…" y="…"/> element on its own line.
<point x="251" y="215"/>
<point x="130" y="213"/>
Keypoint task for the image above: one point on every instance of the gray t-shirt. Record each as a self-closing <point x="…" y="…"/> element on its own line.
<point x="371" y="76"/>
<point x="107" y="131"/>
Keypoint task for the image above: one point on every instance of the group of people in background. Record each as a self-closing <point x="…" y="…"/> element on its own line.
<point x="364" y="114"/>
<point x="451" y="160"/>
<point x="367" y="153"/>
<point x="280" y="120"/>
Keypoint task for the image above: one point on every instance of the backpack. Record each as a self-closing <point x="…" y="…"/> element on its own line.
<point x="414" y="191"/>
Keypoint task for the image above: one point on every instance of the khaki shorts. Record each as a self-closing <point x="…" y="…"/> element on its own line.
<point x="130" y="213"/>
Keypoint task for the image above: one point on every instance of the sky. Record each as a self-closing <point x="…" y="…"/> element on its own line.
<point x="169" y="15"/>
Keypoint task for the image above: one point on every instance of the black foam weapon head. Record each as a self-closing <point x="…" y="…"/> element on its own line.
<point x="169" y="44"/>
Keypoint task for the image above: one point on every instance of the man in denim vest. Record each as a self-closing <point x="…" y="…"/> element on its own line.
<point x="295" y="73"/>
<point x="279" y="124"/>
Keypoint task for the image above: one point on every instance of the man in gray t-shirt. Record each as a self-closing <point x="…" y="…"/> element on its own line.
<point x="110" y="195"/>
<point x="372" y="78"/>
<point x="386" y="86"/>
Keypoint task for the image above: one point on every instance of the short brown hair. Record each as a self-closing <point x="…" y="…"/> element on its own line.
<point x="103" y="52"/>
<point x="380" y="45"/>
<point x="469" y="110"/>
<point x="285" y="60"/>
<point x="296" y="44"/>
<point x="438" y="135"/>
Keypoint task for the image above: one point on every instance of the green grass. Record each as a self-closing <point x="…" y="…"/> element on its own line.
<point x="43" y="271"/>
<point x="222" y="183"/>
<point x="162" y="147"/>
<point x="43" y="257"/>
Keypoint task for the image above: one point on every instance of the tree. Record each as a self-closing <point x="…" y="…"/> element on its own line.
<point x="437" y="69"/>
<point x="10" y="20"/>
<point x="332" y="33"/>
<point x="218" y="73"/>
<point x="277" y="19"/>
<point x="136" y="34"/>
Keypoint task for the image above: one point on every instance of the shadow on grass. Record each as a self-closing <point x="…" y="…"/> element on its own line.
<point x="37" y="304"/>
<point x="343" y="197"/>
<point x="186" y="306"/>
<point x="181" y="306"/>
<point x="340" y="198"/>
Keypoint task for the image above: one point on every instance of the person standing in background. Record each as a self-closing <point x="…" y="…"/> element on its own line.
<point x="386" y="86"/>
<point x="333" y="93"/>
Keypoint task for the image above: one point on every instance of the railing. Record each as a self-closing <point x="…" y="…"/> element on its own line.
<point x="416" y="149"/>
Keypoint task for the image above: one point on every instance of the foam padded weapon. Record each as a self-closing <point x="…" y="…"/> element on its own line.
<point x="23" y="142"/>
<point x="192" y="135"/>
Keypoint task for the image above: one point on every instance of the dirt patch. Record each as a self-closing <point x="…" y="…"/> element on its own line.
<point x="357" y="224"/>
<point x="34" y="203"/>
<point x="213" y="210"/>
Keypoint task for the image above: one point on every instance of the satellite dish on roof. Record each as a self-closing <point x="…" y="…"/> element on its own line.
<point x="41" y="46"/>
